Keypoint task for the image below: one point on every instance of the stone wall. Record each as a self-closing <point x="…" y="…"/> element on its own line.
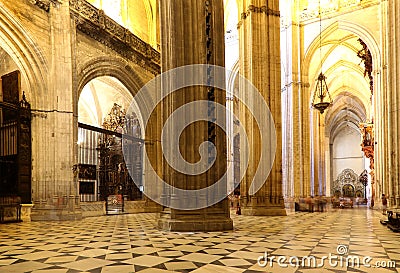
<point x="90" y="209"/>
<point x="48" y="42"/>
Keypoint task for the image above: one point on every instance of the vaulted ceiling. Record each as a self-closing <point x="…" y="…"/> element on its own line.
<point x="98" y="97"/>
<point x="334" y="52"/>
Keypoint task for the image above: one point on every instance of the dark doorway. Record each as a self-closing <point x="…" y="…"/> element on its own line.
<point x="15" y="141"/>
<point x="348" y="191"/>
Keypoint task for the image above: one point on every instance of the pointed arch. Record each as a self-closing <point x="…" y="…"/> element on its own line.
<point x="361" y="31"/>
<point x="230" y="85"/>
<point x="109" y="66"/>
<point x="26" y="54"/>
<point x="116" y="68"/>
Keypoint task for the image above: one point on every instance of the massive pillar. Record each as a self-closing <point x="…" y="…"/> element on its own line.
<point x="296" y="107"/>
<point x="54" y="189"/>
<point x="319" y="151"/>
<point x="192" y="32"/>
<point x="391" y="185"/>
<point x="259" y="31"/>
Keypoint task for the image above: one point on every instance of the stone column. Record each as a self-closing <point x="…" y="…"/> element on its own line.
<point x="319" y="155"/>
<point x="54" y="188"/>
<point x="392" y="185"/>
<point x="192" y="32"/>
<point x="259" y="35"/>
<point x="296" y="112"/>
<point x="296" y="93"/>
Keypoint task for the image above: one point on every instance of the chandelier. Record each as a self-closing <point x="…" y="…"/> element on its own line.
<point x="321" y="99"/>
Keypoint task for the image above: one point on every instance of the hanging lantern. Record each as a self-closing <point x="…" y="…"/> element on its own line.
<point x="322" y="99"/>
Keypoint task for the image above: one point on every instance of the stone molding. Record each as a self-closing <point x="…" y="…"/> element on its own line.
<point x="337" y="7"/>
<point x="347" y="176"/>
<point x="254" y="9"/>
<point x="43" y="4"/>
<point x="290" y="84"/>
<point x="96" y="24"/>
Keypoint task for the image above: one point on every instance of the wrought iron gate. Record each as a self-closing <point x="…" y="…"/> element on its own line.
<point x="15" y="141"/>
<point x="103" y="173"/>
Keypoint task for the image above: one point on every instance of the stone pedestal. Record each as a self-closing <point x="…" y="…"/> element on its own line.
<point x="260" y="206"/>
<point x="145" y="206"/>
<point x="26" y="210"/>
<point x="263" y="210"/>
<point x="55" y="214"/>
<point x="62" y="208"/>
<point x="201" y="220"/>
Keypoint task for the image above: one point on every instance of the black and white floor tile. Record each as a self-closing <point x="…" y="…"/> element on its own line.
<point x="131" y="243"/>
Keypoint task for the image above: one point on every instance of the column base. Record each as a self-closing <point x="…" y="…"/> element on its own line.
<point x="145" y="206"/>
<point x="264" y="211"/>
<point x="55" y="214"/>
<point x="194" y="223"/>
<point x="397" y="200"/>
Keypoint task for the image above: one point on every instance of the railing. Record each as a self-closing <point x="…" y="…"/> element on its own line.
<point x="101" y="167"/>
<point x="10" y="208"/>
<point x="8" y="139"/>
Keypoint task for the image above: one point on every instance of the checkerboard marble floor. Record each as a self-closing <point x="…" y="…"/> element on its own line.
<point x="131" y="243"/>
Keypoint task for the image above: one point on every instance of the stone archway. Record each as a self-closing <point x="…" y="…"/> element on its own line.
<point x="350" y="93"/>
<point x="104" y="82"/>
<point x="25" y="55"/>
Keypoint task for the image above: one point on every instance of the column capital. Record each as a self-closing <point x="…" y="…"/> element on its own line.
<point x="254" y="9"/>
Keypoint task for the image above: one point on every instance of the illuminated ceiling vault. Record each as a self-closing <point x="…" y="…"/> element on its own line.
<point x="338" y="54"/>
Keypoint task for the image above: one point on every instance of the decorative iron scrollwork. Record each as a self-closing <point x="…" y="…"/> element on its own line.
<point x="24" y="103"/>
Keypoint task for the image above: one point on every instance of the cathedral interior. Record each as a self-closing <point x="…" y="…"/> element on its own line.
<point x="199" y="136"/>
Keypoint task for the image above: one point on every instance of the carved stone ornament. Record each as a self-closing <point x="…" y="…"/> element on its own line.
<point x="43" y="4"/>
<point x="334" y="7"/>
<point x="115" y="121"/>
<point x="254" y="9"/>
<point x="347" y="177"/>
<point x="96" y="24"/>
